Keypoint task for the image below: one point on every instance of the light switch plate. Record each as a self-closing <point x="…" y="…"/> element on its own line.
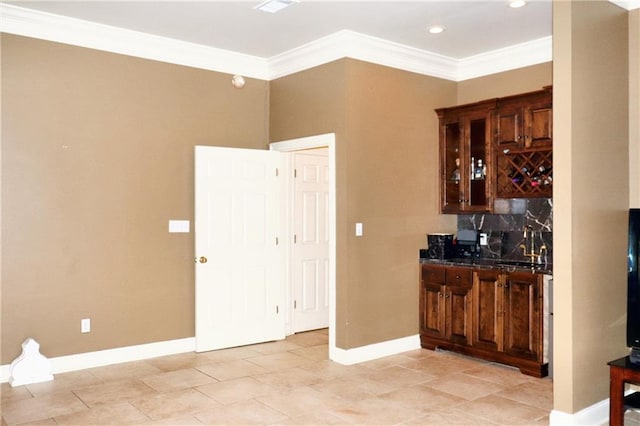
<point x="359" y="229"/>
<point x="85" y="325"/>
<point x="177" y="226"/>
<point x="483" y="239"/>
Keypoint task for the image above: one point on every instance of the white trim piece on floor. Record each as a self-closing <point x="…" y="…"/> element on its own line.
<point x="85" y="360"/>
<point x="375" y="350"/>
<point x="596" y="414"/>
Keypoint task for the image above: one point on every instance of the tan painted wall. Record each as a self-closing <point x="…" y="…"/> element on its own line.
<point x="634" y="108"/>
<point x="308" y="103"/>
<point x="506" y="83"/>
<point x="387" y="176"/>
<point x="386" y="149"/>
<point x="591" y="194"/>
<point x="86" y="147"/>
<point x="97" y="156"/>
<point x="392" y="181"/>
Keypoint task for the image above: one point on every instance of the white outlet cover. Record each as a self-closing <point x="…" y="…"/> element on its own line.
<point x="359" y="229"/>
<point x="85" y="325"/>
<point x="178" y="226"/>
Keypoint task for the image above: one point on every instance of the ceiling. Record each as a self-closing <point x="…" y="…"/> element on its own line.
<point x="472" y="27"/>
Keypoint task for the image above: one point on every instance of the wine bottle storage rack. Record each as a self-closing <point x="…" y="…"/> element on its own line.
<point x="526" y="173"/>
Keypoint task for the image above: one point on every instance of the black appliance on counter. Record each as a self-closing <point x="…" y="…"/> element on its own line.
<point x="440" y="246"/>
<point x="467" y="245"/>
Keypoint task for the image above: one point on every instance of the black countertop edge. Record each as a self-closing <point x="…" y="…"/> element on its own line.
<point x="503" y="265"/>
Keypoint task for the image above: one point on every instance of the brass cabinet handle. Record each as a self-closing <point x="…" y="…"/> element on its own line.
<point x="202" y="259"/>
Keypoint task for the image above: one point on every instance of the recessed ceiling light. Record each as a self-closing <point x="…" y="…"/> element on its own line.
<point x="273" y="6"/>
<point x="436" y="29"/>
<point x="517" y="3"/>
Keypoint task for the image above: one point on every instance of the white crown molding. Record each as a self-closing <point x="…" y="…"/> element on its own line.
<point x="366" y="48"/>
<point x="627" y="4"/>
<point x="62" y="29"/>
<point x="518" y="56"/>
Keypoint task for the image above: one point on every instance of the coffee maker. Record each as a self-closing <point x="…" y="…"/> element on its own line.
<point x="467" y="244"/>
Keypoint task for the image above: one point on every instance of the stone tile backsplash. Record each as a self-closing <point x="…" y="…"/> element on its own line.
<point x="505" y="231"/>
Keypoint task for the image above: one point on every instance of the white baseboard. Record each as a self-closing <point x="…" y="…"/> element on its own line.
<point x="596" y="415"/>
<point x="374" y="351"/>
<point x="85" y="360"/>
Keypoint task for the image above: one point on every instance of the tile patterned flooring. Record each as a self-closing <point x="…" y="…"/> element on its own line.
<point x="289" y="382"/>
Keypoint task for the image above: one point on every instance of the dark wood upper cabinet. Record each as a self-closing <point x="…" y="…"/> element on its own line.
<point x="497" y="148"/>
<point x="522" y="145"/>
<point x="466" y="157"/>
<point x="524" y="121"/>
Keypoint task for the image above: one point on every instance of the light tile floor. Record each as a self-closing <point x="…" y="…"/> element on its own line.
<point x="290" y="382"/>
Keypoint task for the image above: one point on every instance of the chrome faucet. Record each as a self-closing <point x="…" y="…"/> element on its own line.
<point x="532" y="255"/>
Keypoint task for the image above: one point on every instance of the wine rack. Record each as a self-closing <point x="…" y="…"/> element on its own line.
<point x="524" y="173"/>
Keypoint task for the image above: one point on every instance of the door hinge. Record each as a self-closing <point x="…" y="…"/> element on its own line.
<point x="277" y="310"/>
<point x="295" y="173"/>
<point x="276" y="240"/>
<point x="295" y="304"/>
<point x="277" y="171"/>
<point x="295" y="238"/>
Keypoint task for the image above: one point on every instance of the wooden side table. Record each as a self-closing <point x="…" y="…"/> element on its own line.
<point x="622" y="371"/>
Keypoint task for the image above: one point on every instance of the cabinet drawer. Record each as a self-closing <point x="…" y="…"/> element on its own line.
<point x="459" y="277"/>
<point x="433" y="274"/>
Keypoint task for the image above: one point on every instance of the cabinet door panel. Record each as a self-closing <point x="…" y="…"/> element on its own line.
<point x="432" y="321"/>
<point x="452" y="167"/>
<point x="478" y="143"/>
<point x="488" y="314"/>
<point x="508" y="132"/>
<point x="465" y="157"/>
<point x="522" y="315"/>
<point x="458" y="307"/>
<point x="540" y="126"/>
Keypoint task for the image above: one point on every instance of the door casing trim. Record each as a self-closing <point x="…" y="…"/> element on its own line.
<point x="319" y="141"/>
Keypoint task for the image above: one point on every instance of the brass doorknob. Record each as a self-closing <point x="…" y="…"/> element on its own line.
<point x="202" y="259"/>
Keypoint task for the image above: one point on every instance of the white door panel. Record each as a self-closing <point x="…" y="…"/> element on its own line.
<point x="240" y="288"/>
<point x="311" y="247"/>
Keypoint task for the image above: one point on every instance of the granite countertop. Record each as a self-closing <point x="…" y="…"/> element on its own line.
<point x="501" y="264"/>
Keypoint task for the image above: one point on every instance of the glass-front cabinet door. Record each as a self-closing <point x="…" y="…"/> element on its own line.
<point x="464" y="158"/>
<point x="452" y="167"/>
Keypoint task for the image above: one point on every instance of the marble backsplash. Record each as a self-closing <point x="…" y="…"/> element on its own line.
<point x="505" y="230"/>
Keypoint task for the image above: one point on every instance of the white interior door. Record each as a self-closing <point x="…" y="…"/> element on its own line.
<point x="310" y="257"/>
<point x="239" y="285"/>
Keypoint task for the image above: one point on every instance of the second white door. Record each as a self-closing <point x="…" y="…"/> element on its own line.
<point x="311" y="240"/>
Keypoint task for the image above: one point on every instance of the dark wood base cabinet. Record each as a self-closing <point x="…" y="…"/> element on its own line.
<point x="488" y="314"/>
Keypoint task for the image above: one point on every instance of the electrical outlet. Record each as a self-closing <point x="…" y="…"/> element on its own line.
<point x="85" y="325"/>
